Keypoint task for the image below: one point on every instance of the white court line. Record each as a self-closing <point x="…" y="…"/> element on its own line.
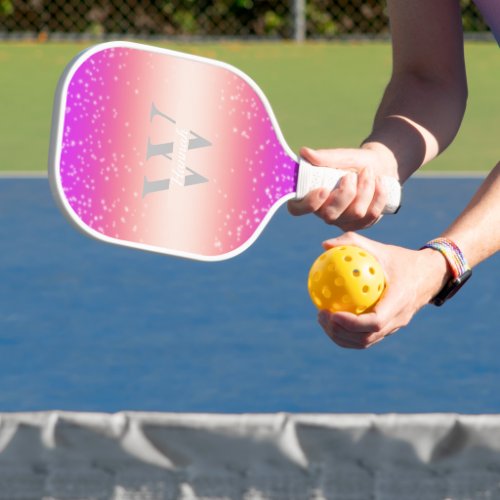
<point x="453" y="174"/>
<point x="23" y="175"/>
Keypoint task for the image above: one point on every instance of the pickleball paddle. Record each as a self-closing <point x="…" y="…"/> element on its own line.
<point x="173" y="153"/>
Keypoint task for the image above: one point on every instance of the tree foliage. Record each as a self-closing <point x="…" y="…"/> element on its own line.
<point x="215" y="18"/>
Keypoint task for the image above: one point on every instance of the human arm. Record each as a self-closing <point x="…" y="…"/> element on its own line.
<point x="414" y="277"/>
<point x="418" y="116"/>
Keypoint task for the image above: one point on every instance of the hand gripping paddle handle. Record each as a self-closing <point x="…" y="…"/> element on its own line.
<point x="312" y="177"/>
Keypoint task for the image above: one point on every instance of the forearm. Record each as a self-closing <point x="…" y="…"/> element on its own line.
<point x="477" y="230"/>
<point x="424" y="103"/>
<point x="416" y="121"/>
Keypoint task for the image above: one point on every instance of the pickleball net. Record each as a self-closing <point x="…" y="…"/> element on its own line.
<point x="159" y="456"/>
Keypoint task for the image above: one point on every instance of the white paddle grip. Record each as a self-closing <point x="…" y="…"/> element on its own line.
<point x="313" y="177"/>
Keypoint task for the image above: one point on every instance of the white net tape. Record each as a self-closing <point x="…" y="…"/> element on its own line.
<point x="155" y="456"/>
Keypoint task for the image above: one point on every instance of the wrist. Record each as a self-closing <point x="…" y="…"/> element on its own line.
<point x="388" y="165"/>
<point x="437" y="272"/>
<point x="457" y="265"/>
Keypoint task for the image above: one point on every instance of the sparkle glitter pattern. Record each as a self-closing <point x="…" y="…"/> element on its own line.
<point x="126" y="110"/>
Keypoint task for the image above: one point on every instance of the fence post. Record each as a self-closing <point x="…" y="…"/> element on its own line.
<point x="299" y="20"/>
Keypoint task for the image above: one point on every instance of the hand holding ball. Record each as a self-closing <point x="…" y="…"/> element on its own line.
<point x="346" y="278"/>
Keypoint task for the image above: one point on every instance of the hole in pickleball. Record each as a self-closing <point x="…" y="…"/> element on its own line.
<point x="356" y="273"/>
<point x="339" y="281"/>
<point x="327" y="293"/>
<point x="317" y="276"/>
<point x="346" y="299"/>
<point x="372" y="270"/>
<point x="363" y="254"/>
<point x="348" y="258"/>
<point x="366" y="289"/>
<point x="379" y="287"/>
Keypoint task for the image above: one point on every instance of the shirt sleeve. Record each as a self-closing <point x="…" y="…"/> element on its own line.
<point x="490" y="9"/>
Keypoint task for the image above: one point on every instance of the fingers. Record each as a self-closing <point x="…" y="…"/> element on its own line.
<point x="355" y="332"/>
<point x="366" y="207"/>
<point x="313" y="201"/>
<point x="356" y="202"/>
<point x="379" y="201"/>
<point x="310" y="203"/>
<point x="347" y="158"/>
<point x="410" y="282"/>
<point x="365" y="330"/>
<point x="351" y="200"/>
<point x="352" y="238"/>
<point x="340" y="198"/>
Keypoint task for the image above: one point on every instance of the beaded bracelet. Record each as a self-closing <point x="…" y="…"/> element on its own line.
<point x="452" y="254"/>
<point x="459" y="267"/>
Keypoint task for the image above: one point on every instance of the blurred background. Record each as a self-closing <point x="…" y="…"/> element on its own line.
<point x="324" y="89"/>
<point x="284" y="19"/>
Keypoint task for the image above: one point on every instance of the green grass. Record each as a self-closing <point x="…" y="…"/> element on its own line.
<point x="323" y="94"/>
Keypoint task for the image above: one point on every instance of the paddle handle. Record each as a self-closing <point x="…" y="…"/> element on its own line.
<point x="312" y="177"/>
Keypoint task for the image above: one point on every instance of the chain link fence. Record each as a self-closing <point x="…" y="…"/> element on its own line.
<point x="285" y="19"/>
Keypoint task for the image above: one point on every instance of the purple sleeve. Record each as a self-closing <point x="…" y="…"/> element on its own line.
<point x="490" y="9"/>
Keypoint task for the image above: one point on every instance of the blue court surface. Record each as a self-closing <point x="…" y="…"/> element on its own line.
<point x="87" y="326"/>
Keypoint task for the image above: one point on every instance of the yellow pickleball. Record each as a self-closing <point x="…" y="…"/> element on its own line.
<point x="346" y="278"/>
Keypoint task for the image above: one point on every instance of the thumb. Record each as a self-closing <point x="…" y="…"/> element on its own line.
<point x="348" y="238"/>
<point x="353" y="159"/>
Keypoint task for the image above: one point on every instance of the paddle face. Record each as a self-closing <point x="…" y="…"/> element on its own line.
<point x="166" y="152"/>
